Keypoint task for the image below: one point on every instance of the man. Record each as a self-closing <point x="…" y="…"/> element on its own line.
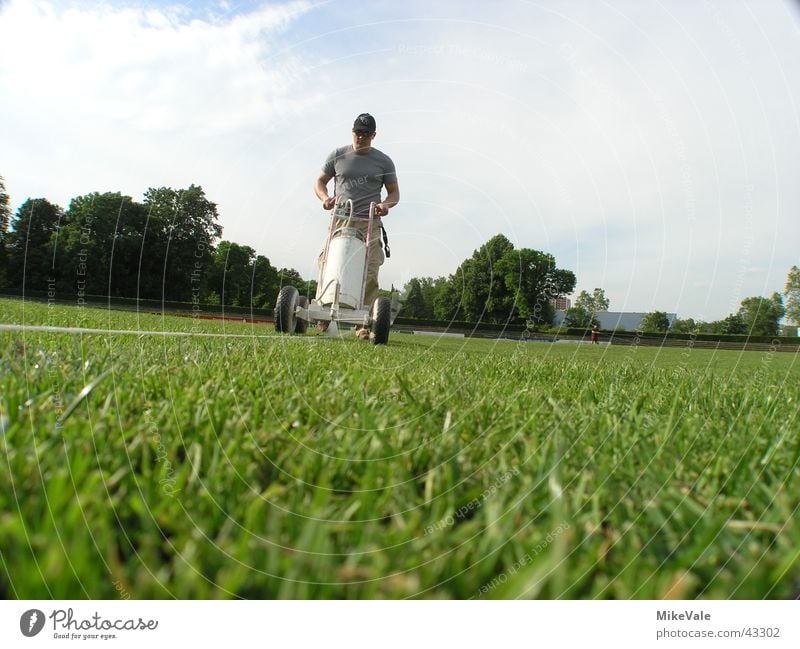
<point x="361" y="172"/>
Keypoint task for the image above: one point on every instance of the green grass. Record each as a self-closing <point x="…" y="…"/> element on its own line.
<point x="307" y="467"/>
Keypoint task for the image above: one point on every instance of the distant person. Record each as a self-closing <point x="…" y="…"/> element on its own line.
<point x="361" y="172"/>
<point x="595" y="331"/>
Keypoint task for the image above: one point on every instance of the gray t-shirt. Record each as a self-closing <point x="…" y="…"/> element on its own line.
<point x="359" y="176"/>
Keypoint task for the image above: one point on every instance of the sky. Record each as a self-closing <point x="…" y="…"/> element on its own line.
<point x="653" y="147"/>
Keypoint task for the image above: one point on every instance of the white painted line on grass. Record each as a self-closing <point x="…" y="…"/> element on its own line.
<point x="138" y="332"/>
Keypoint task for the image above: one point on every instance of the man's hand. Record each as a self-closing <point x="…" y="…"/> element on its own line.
<point x="328" y="203"/>
<point x="392" y="199"/>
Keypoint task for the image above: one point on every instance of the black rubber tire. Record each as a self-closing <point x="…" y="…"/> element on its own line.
<point x="381" y="316"/>
<point x="301" y="326"/>
<point x="284" y="309"/>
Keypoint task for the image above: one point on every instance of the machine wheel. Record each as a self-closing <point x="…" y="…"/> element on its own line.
<point x="300" y="325"/>
<point x="381" y="316"/>
<point x="284" y="309"/>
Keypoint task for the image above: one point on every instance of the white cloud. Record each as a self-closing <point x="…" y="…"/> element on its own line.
<point x="117" y="91"/>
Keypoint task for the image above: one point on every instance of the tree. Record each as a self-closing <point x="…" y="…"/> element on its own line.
<point x="792" y="295"/>
<point x="655" y="322"/>
<point x="579" y="317"/>
<point x="5" y="222"/>
<point x="733" y="324"/>
<point x="100" y="245"/>
<point x="239" y="277"/>
<point x="414" y="301"/>
<point x="448" y="303"/>
<point x="687" y="326"/>
<point x="182" y="225"/>
<point x="563" y="283"/>
<point x="587" y="306"/>
<point x="31" y="243"/>
<point x="5" y="210"/>
<point x="532" y="279"/>
<point x="500" y="284"/>
<point x="231" y="272"/>
<point x="496" y="284"/>
<point x="431" y="288"/>
<point x="761" y="315"/>
<point x="266" y="284"/>
<point x="289" y="276"/>
<point x="485" y="296"/>
<point x="292" y="277"/>
<point x="594" y="303"/>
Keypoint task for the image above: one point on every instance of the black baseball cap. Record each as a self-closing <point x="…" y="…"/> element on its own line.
<point x="364" y="122"/>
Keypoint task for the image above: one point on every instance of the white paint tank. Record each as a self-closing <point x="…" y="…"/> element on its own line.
<point x="347" y="256"/>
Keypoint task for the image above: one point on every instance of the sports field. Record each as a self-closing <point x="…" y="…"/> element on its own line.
<point x="255" y="465"/>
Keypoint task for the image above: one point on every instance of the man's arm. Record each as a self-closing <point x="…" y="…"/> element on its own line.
<point x="321" y="190"/>
<point x="392" y="199"/>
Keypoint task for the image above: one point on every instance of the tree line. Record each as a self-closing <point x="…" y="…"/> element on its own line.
<point x="166" y="248"/>
<point x="108" y="244"/>
<point x="497" y="284"/>
<point x="756" y="316"/>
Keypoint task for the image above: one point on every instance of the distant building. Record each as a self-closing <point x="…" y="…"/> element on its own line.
<point x="561" y="303"/>
<point x="617" y="320"/>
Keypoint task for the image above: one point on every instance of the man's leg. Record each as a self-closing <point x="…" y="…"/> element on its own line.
<point x="374" y="260"/>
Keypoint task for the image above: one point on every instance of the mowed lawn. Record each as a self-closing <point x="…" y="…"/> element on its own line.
<point x="263" y="466"/>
